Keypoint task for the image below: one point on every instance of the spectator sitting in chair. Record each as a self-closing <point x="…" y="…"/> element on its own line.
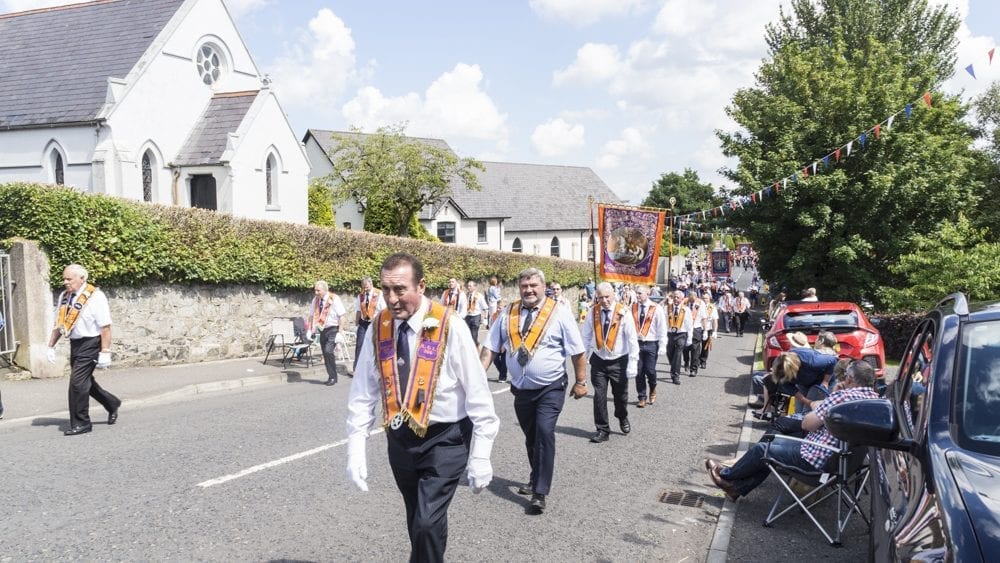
<point x="814" y="379"/>
<point x="751" y="470"/>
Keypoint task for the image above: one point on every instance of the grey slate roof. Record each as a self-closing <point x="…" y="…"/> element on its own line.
<point x="208" y="138"/>
<point x="55" y="62"/>
<point x="535" y="197"/>
<point x="326" y="142"/>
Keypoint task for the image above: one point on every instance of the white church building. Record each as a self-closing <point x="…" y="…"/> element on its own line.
<point x="151" y="100"/>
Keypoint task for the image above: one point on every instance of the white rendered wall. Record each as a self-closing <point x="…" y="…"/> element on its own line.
<point x="23" y="155"/>
<point x="572" y="244"/>
<point x="346" y="212"/>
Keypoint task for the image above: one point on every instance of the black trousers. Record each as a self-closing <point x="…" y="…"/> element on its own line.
<point x="427" y="471"/>
<point x="328" y="343"/>
<point x="362" y="330"/>
<point x="500" y="361"/>
<point x="676" y="341"/>
<point x="741" y="321"/>
<point x="473" y="322"/>
<point x="83" y="354"/>
<point x="648" y="353"/>
<point x="706" y="346"/>
<point x="602" y="373"/>
<point x="537" y="411"/>
<point x="692" y="352"/>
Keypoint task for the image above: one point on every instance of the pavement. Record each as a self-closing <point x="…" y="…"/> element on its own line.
<point x="737" y="526"/>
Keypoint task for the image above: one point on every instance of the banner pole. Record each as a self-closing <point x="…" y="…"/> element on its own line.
<point x="590" y="201"/>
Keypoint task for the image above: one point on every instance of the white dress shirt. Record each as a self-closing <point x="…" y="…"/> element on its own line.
<point x="625" y="343"/>
<point x="560" y="340"/>
<point x="457" y="306"/>
<point x="95" y="315"/>
<point x="658" y="328"/>
<point x="461" y="390"/>
<point x="687" y="325"/>
<point x="478" y="307"/>
<point x="379" y="305"/>
<point x="741" y="302"/>
<point x="337" y="310"/>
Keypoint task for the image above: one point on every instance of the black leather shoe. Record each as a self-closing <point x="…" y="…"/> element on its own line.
<point x="675" y="380"/>
<point x="538" y="502"/>
<point x="331" y="381"/>
<point x="599" y="437"/>
<point x="83" y="429"/>
<point x="113" y="417"/>
<point x="525" y="490"/>
<point x="626" y="427"/>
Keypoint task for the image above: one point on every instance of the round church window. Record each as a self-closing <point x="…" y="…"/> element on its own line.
<point x="209" y="63"/>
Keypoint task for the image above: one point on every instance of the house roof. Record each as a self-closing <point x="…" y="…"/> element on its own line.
<point x="55" y="62"/>
<point x="326" y="141"/>
<point x="535" y="197"/>
<point x="210" y="136"/>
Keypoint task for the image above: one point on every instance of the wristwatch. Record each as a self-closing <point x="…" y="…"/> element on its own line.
<point x="584" y="383"/>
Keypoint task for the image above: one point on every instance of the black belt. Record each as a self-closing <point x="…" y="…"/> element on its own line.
<point x="364" y="323"/>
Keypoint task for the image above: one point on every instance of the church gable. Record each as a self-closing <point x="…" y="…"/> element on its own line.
<point x="56" y="62"/>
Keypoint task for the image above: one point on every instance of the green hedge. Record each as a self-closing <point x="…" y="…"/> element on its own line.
<point x="123" y="242"/>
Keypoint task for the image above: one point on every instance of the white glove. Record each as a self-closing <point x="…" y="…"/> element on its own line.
<point x="480" y="473"/>
<point x="50" y="355"/>
<point x="661" y="351"/>
<point x="104" y="360"/>
<point x="716" y="336"/>
<point x="357" y="464"/>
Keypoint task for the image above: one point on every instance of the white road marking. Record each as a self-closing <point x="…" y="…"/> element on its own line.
<point x="275" y="463"/>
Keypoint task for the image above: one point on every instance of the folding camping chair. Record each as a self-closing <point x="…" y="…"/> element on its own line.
<point x="845" y="476"/>
<point x="301" y="345"/>
<point x="281" y="337"/>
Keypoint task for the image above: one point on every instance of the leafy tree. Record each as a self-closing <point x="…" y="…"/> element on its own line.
<point x="691" y="194"/>
<point x="956" y="257"/>
<point x="321" y="205"/>
<point x="398" y="175"/>
<point x="835" y="68"/>
<point x="987" y="108"/>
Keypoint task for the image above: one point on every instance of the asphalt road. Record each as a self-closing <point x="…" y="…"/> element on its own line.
<point x="160" y="484"/>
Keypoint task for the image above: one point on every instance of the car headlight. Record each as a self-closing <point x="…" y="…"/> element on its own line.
<point x="871" y="339"/>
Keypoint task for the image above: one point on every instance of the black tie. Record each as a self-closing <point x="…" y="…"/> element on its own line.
<point x="72" y="296"/>
<point x="526" y="325"/>
<point x="642" y="314"/>
<point x="366" y="302"/>
<point x="607" y="321"/>
<point x="403" y="357"/>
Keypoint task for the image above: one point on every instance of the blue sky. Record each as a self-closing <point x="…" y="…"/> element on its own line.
<point x="630" y="88"/>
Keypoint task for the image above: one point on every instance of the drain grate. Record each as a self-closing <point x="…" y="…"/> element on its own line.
<point x="682" y="498"/>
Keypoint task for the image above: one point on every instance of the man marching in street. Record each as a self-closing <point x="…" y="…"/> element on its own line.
<point x="326" y="317"/>
<point x="651" y="326"/>
<point x="84" y="317"/>
<point x="367" y="304"/>
<point x="538" y="336"/>
<point x="453" y="298"/>
<point x="421" y="365"/>
<point x="610" y="336"/>
<point x="726" y="311"/>
<point x="711" y="327"/>
<point x="741" y="311"/>
<point x="475" y="310"/>
<point x="679" y="328"/>
<point x="699" y="318"/>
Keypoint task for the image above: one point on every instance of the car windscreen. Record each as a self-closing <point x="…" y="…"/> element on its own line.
<point x="978" y="393"/>
<point x="829" y="320"/>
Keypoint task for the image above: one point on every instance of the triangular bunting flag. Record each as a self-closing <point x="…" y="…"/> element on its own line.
<point x="760" y="195"/>
<point x="785" y="183"/>
<point x="970" y="70"/>
<point x="927" y="98"/>
<point x="814" y="168"/>
<point x="777" y="189"/>
<point x="990" y="53"/>
<point x="767" y="192"/>
<point x="908" y="109"/>
<point x="836" y="154"/>
<point x="715" y="212"/>
<point x="753" y="198"/>
<point x="863" y="139"/>
<point x="878" y="130"/>
<point x="805" y="172"/>
<point x="850" y="144"/>
<point x="826" y="162"/>
<point x="888" y="124"/>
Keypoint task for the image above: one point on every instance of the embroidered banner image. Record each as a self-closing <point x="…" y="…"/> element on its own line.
<point x="631" y="243"/>
<point x="720" y="262"/>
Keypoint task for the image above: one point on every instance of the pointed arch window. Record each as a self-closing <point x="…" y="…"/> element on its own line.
<point x="516" y="247"/>
<point x="554" y="247"/>
<point x="269" y="181"/>
<point x="147" y="177"/>
<point x="58" y="168"/>
<point x="591" y="249"/>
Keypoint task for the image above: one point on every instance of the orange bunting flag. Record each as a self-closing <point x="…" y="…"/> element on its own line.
<point x="927" y="98"/>
<point x="805" y="172"/>
<point x="836" y="154"/>
<point x="878" y="129"/>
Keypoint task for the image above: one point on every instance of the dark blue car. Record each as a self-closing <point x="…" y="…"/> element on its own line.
<point x="935" y="441"/>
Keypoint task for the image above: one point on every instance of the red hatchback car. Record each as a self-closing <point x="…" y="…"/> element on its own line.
<point x="857" y="336"/>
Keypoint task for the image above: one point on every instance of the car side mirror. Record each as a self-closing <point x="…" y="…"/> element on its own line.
<point x="876" y="322"/>
<point x="868" y="422"/>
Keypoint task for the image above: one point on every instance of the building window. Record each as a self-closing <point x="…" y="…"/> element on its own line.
<point x="481" y="230"/>
<point x="147" y="178"/>
<point x="57" y="167"/>
<point x="269" y="179"/>
<point x="347" y="225"/>
<point x="554" y="247"/>
<point x="446" y="231"/>
<point x="516" y="247"/>
<point x="209" y="61"/>
<point x="591" y="250"/>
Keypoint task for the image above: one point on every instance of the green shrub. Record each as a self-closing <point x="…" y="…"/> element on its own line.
<point x="123" y="242"/>
<point x="321" y="205"/>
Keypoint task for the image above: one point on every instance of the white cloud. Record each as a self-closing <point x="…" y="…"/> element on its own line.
<point x="595" y="63"/>
<point x="317" y="68"/>
<point x="454" y="105"/>
<point x="557" y="137"/>
<point x="972" y="50"/>
<point x="631" y="147"/>
<point x="585" y="12"/>
<point x="242" y="7"/>
<point x="7" y="6"/>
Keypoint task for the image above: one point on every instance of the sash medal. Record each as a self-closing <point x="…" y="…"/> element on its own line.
<point x="526" y="347"/>
<point x="69" y="315"/>
<point x="607" y="341"/>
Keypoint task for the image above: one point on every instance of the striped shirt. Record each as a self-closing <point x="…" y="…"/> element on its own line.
<point x="816" y="455"/>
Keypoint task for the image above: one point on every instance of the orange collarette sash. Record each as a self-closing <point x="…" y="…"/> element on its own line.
<point x="368" y="312"/>
<point x="446" y="300"/>
<point x="471" y="301"/>
<point x="525" y="348"/>
<point x="321" y="310"/>
<point x="415" y="407"/>
<point x="676" y="321"/>
<point x="69" y="315"/>
<point x="607" y="341"/>
<point x="648" y="322"/>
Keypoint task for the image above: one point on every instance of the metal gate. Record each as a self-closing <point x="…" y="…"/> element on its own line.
<point x="6" y="313"/>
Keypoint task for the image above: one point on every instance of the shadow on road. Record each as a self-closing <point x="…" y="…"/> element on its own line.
<point x="45" y="421"/>
<point x="505" y="489"/>
<point x="573" y="431"/>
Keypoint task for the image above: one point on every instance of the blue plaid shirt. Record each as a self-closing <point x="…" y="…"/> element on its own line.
<point x="816" y="455"/>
